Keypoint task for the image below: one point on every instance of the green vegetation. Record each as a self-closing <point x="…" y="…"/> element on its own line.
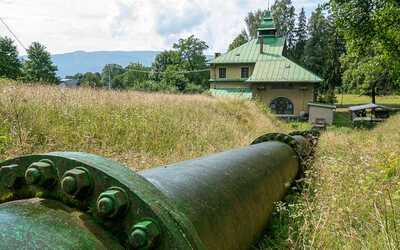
<point x="351" y="199"/>
<point x="348" y="100"/>
<point x="182" y="69"/>
<point x="38" y="66"/>
<point x="10" y="66"/>
<point x="139" y="129"/>
<point x="372" y="35"/>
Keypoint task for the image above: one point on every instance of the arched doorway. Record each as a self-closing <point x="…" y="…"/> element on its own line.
<point x="282" y="106"/>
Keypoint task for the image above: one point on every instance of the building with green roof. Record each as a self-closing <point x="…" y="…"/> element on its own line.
<point x="259" y="70"/>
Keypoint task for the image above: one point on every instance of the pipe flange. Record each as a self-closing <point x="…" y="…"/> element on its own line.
<point x="289" y="140"/>
<point x="118" y="198"/>
<point x="311" y="136"/>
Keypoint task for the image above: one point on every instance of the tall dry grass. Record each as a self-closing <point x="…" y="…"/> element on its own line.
<point x="138" y="129"/>
<point x="351" y="199"/>
<point x="352" y="196"/>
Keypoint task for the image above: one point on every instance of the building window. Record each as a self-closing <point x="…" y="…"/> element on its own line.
<point x="222" y="73"/>
<point x="282" y="106"/>
<point x="245" y="72"/>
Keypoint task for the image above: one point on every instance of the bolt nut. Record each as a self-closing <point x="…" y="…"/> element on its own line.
<point x="112" y="203"/>
<point x="9" y="175"/>
<point x="144" y="235"/>
<point x="77" y="182"/>
<point x="41" y="173"/>
<point x="33" y="176"/>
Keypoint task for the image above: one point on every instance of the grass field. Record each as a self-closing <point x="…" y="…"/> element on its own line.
<point x="352" y="196"/>
<point x="138" y="129"/>
<point x="342" y="116"/>
<point x="351" y="199"/>
<point x="348" y="100"/>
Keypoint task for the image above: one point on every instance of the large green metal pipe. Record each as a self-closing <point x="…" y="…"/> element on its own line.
<point x="217" y="202"/>
<point x="228" y="197"/>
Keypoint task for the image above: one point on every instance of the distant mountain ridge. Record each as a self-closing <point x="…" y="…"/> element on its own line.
<point x="82" y="61"/>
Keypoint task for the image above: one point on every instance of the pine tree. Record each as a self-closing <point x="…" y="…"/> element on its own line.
<point x="314" y="53"/>
<point x="333" y="66"/>
<point x="284" y="17"/>
<point x="322" y="52"/>
<point x="10" y="65"/>
<point x="39" y="67"/>
<point x="300" y="35"/>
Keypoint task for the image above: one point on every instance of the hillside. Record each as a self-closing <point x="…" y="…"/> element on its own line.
<point x="81" y="61"/>
<point x="139" y="129"/>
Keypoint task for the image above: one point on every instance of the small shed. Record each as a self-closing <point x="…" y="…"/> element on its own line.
<point x="321" y="114"/>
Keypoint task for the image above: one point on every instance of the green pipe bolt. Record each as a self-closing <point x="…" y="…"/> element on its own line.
<point x="144" y="235"/>
<point x="32" y="176"/>
<point x="41" y="173"/>
<point x="9" y="175"/>
<point x="77" y="182"/>
<point x="112" y="202"/>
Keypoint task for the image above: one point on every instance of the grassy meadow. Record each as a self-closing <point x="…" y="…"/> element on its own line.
<point x="348" y="100"/>
<point x="352" y="196"/>
<point x="139" y="129"/>
<point x="351" y="199"/>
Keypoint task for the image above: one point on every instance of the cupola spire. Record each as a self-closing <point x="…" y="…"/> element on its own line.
<point x="267" y="26"/>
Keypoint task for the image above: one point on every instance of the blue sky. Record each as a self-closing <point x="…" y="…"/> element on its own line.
<point x="70" y="25"/>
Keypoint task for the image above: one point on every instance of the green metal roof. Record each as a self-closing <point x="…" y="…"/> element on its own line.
<point x="245" y="93"/>
<point x="281" y="70"/>
<point x="267" y="22"/>
<point x="250" y="51"/>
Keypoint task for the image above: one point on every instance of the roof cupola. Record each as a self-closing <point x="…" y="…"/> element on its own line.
<point x="267" y="26"/>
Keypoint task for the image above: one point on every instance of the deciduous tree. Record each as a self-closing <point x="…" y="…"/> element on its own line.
<point x="253" y="21"/>
<point x="191" y="51"/>
<point x="371" y="30"/>
<point x="241" y="39"/>
<point x="109" y="72"/>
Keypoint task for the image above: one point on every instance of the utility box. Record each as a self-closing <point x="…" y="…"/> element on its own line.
<point x="321" y="114"/>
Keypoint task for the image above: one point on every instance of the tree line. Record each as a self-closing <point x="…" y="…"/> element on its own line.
<point x="37" y="67"/>
<point x="353" y="45"/>
<point x="181" y="69"/>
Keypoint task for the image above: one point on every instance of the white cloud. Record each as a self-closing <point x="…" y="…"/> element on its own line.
<point x="69" y="25"/>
